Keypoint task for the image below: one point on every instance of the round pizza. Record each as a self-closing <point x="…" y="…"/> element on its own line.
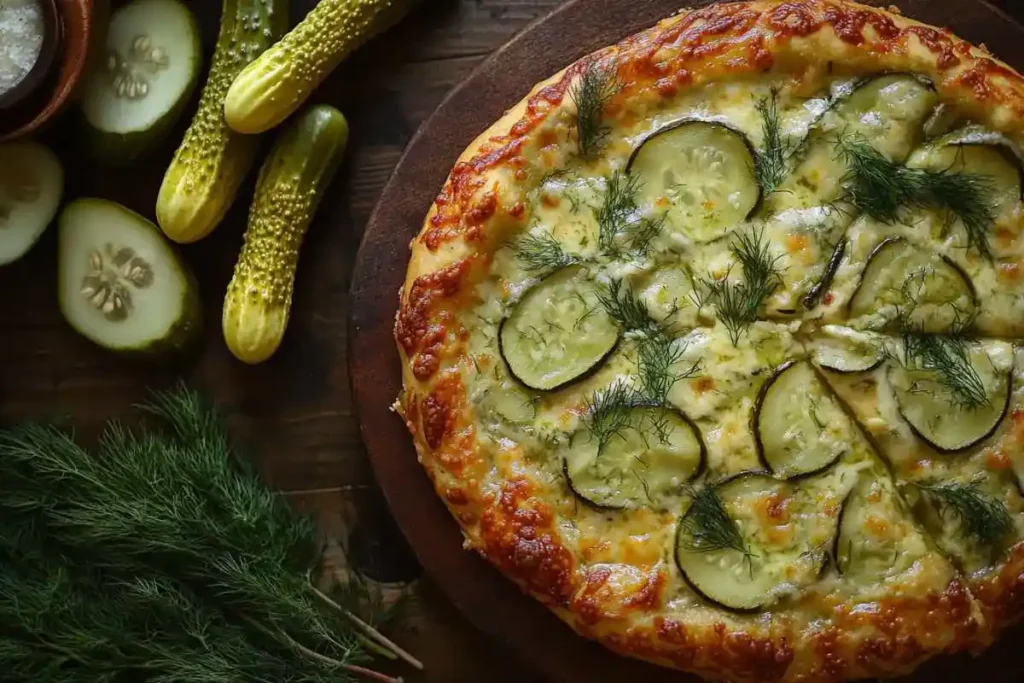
<point x="712" y="343"/>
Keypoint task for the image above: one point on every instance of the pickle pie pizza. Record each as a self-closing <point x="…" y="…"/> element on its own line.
<point x="712" y="343"/>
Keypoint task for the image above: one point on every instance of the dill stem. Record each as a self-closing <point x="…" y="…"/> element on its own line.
<point x="368" y="630"/>
<point x="323" y="659"/>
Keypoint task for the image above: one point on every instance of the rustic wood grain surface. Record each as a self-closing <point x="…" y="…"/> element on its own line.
<point x="297" y="408"/>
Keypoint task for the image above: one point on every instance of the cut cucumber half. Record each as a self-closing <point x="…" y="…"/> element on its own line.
<point x="138" y="90"/>
<point x="982" y="153"/>
<point x="777" y="554"/>
<point x="647" y="465"/>
<point x="558" y="331"/>
<point x="701" y="173"/>
<point x="31" y="187"/>
<point x="931" y="293"/>
<point x="121" y="284"/>
<point x="799" y="427"/>
<point x="939" y="414"/>
<point x="876" y="536"/>
<point x="841" y="349"/>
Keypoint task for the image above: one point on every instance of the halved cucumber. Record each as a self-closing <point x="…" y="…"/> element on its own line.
<point x="701" y="173"/>
<point x="799" y="427"/>
<point x="841" y="349"/>
<point x="31" y="187"/>
<point x="558" y="331"/>
<point x="932" y="293"/>
<point x="979" y="152"/>
<point x="121" y="285"/>
<point x="876" y="536"/>
<point x="937" y="415"/>
<point x="151" y="66"/>
<point x="783" y="532"/>
<point x="648" y="465"/>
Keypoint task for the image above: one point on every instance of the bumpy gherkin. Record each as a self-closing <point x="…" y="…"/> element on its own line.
<point x="292" y="181"/>
<point x="274" y="86"/>
<point x="212" y="161"/>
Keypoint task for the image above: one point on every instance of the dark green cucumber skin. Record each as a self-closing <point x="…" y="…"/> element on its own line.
<point x="123" y="149"/>
<point x="822" y="285"/>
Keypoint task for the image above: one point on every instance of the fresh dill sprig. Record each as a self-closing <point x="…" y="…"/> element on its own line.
<point x="708" y="525"/>
<point x="883" y="189"/>
<point x="591" y="94"/>
<point x="641" y="233"/>
<point x="739" y="302"/>
<point x="770" y="161"/>
<point x="981" y="517"/>
<point x="617" y="211"/>
<point x="543" y="253"/>
<point x="947" y="357"/>
<point x="609" y="412"/>
<point x="656" y="354"/>
<point x="625" y="308"/>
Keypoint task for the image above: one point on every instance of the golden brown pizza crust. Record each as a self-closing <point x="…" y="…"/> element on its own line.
<point x="511" y="516"/>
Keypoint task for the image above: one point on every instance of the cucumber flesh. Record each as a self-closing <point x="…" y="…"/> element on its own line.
<point x="120" y="284"/>
<point x="780" y="554"/>
<point x="888" y="111"/>
<point x="558" y="331"/>
<point x="701" y="173"/>
<point x="933" y="293"/>
<point x="933" y="412"/>
<point x="799" y="426"/>
<point x="841" y="349"/>
<point x="31" y="187"/>
<point x="648" y="465"/>
<point x="150" y="68"/>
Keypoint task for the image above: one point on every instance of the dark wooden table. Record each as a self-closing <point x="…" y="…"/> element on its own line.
<point x="296" y="409"/>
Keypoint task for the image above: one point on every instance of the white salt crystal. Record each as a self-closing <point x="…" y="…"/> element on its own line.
<point x="21" y="40"/>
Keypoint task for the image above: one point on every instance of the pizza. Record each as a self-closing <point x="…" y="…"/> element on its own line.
<point x="712" y="343"/>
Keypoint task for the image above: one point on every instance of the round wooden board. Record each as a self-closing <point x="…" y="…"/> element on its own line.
<point x="492" y="603"/>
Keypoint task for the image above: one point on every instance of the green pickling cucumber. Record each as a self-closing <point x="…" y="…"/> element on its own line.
<point x="292" y="182"/>
<point x="274" y="86"/>
<point x="212" y="161"/>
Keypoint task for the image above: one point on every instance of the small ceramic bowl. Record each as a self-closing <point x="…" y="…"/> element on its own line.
<point x="73" y="27"/>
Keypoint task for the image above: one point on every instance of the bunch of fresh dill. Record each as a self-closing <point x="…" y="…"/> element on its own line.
<point x="162" y="557"/>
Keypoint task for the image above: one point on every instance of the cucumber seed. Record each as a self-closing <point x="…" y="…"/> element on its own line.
<point x="130" y="76"/>
<point x="113" y="273"/>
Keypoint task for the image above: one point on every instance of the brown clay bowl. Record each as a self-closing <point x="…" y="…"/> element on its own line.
<point x="80" y="28"/>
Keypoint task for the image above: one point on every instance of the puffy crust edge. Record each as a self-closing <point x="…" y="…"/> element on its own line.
<point x="510" y="523"/>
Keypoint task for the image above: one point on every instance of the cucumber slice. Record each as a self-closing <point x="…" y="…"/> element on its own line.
<point x="935" y="412"/>
<point x="31" y="187"/>
<point x="815" y="293"/>
<point x="121" y="285"/>
<point x="136" y="93"/>
<point x="843" y="350"/>
<point x="876" y="536"/>
<point x="888" y="111"/>
<point x="979" y="152"/>
<point x="558" y="332"/>
<point x="780" y="552"/>
<point x="932" y="292"/>
<point x="799" y="427"/>
<point x="648" y="465"/>
<point x="701" y="173"/>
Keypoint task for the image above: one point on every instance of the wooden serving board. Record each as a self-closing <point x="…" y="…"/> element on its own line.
<point x="491" y="602"/>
